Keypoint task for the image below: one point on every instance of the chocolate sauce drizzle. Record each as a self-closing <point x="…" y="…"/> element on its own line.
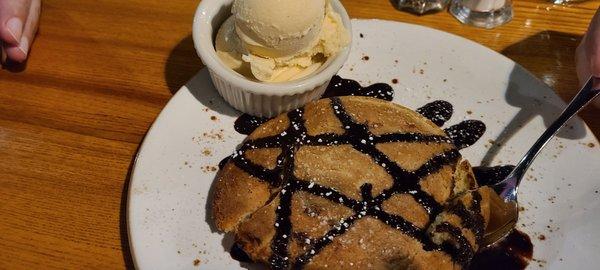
<point x="459" y="247"/>
<point x="461" y="250"/>
<point x="487" y="176"/>
<point x="463" y="134"/>
<point x="339" y="86"/>
<point x="238" y="254"/>
<point x="513" y="253"/>
<point x="470" y="218"/>
<point x="439" y="112"/>
<point x="360" y="138"/>
<point x="466" y="133"/>
<point x="246" y="124"/>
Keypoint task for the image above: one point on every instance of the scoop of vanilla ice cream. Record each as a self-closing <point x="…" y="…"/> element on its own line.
<point x="280" y="40"/>
<point x="278" y="28"/>
<point x="229" y="48"/>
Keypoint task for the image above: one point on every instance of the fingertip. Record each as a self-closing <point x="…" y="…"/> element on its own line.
<point x="16" y="54"/>
<point x="7" y="37"/>
<point x="12" y="31"/>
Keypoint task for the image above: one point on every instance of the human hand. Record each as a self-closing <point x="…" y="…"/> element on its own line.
<point x="587" y="55"/>
<point x="18" y="25"/>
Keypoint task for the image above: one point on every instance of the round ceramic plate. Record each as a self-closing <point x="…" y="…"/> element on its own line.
<point x="169" y="194"/>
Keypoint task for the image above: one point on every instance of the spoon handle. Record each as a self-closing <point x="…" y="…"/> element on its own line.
<point x="585" y="95"/>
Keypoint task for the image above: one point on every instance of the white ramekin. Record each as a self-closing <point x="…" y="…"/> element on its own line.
<point x="256" y="98"/>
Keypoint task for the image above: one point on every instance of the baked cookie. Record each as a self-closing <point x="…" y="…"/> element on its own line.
<point x="351" y="182"/>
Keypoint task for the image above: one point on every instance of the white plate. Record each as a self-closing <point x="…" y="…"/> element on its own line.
<point x="170" y="186"/>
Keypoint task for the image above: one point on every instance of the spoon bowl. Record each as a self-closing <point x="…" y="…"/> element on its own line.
<point x="502" y="221"/>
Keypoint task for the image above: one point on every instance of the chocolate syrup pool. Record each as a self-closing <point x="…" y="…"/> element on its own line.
<point x="512" y="253"/>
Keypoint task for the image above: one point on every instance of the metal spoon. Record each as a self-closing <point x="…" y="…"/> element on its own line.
<point x="506" y="214"/>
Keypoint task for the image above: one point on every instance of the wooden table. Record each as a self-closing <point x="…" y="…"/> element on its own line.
<point x="100" y="72"/>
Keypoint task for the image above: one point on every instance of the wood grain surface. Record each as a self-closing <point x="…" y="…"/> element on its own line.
<point x="100" y="72"/>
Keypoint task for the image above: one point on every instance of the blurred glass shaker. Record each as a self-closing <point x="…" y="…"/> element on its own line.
<point x="482" y="13"/>
<point x="420" y="6"/>
<point x="565" y="2"/>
